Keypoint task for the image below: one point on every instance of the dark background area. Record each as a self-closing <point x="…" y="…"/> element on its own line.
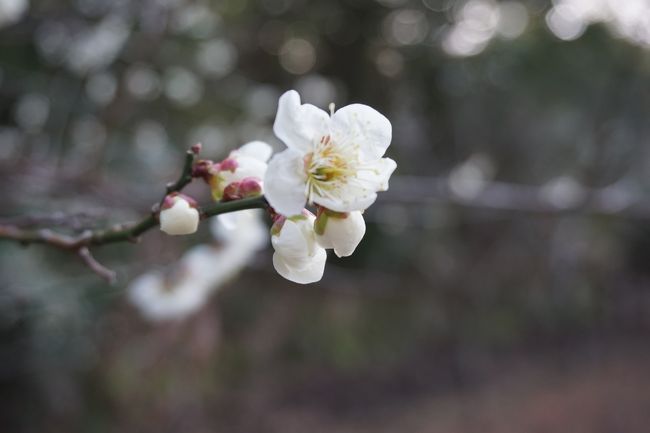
<point x="502" y="286"/>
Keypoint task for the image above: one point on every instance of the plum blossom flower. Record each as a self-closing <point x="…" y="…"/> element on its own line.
<point x="163" y="297"/>
<point x="246" y="162"/>
<point x="333" y="161"/>
<point x="179" y="215"/>
<point x="186" y="286"/>
<point x="297" y="257"/>
<point x="340" y="231"/>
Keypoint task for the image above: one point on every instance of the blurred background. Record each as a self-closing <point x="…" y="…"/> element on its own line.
<point x="503" y="284"/>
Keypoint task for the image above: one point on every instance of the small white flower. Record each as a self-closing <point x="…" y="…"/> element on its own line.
<point x="201" y="270"/>
<point x="158" y="299"/>
<point x="342" y="232"/>
<point x="248" y="161"/>
<point x="180" y="218"/>
<point x="335" y="162"/>
<point x="244" y="229"/>
<point x="298" y="257"/>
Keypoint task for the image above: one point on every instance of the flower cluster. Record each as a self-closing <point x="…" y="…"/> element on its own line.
<point x="333" y="163"/>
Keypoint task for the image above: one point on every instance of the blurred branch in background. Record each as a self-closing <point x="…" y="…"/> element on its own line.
<point x="560" y="196"/>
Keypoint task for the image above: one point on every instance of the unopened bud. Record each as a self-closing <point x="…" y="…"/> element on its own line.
<point x="246" y="188"/>
<point x="341" y="231"/>
<point x="228" y="164"/>
<point x="297" y="257"/>
<point x="204" y="169"/>
<point x="179" y="215"/>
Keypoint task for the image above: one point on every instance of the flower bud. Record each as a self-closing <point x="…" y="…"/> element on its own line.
<point x="249" y="161"/>
<point x="205" y="169"/>
<point x="179" y="215"/>
<point x="341" y="231"/>
<point x="196" y="149"/>
<point x="248" y="187"/>
<point x="298" y="257"/>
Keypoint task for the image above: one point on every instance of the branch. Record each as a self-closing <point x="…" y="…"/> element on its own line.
<point x="615" y="200"/>
<point x="234" y="206"/>
<point x="101" y="270"/>
<point x="186" y="175"/>
<point x="80" y="244"/>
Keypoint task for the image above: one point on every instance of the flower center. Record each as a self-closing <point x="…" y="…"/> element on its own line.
<point x="328" y="168"/>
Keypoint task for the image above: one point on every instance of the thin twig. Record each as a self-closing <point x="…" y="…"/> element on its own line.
<point x="80" y="244"/>
<point x="109" y="275"/>
<point x="186" y="175"/>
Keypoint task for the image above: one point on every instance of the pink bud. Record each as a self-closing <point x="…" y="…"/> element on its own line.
<point x="246" y="188"/>
<point x="196" y="149"/>
<point x="204" y="169"/>
<point x="228" y="164"/>
<point x="170" y="199"/>
<point x="250" y="187"/>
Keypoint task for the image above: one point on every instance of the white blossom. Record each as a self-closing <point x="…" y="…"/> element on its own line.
<point x="333" y="161"/>
<point x="248" y="161"/>
<point x="298" y="257"/>
<point x="180" y="218"/>
<point x="187" y="286"/>
<point x="342" y="232"/>
<point x="158" y="300"/>
<point x="244" y="229"/>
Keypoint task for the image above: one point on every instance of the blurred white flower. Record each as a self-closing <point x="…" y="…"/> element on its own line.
<point x="202" y="270"/>
<point x="335" y="162"/>
<point x="244" y="229"/>
<point x="341" y="231"/>
<point x="298" y="257"/>
<point x="158" y="299"/>
<point x="178" y="217"/>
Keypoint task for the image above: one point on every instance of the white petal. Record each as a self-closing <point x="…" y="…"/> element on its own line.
<point x="362" y="199"/>
<point x="299" y="126"/>
<point x="293" y="242"/>
<point x="158" y="300"/>
<point x="180" y="219"/>
<point x="362" y="126"/>
<point x="376" y="174"/>
<point x="256" y="149"/>
<point x="361" y="191"/>
<point x="223" y="225"/>
<point x="310" y="272"/>
<point x="246" y="167"/>
<point x="284" y="183"/>
<point x="343" y="234"/>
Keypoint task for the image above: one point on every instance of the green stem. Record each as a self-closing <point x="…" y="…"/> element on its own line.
<point x="234" y="206"/>
<point x="124" y="232"/>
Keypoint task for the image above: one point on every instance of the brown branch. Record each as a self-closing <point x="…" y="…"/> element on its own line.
<point x="614" y="200"/>
<point x="101" y="270"/>
<point x="79" y="244"/>
<point x="75" y="221"/>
